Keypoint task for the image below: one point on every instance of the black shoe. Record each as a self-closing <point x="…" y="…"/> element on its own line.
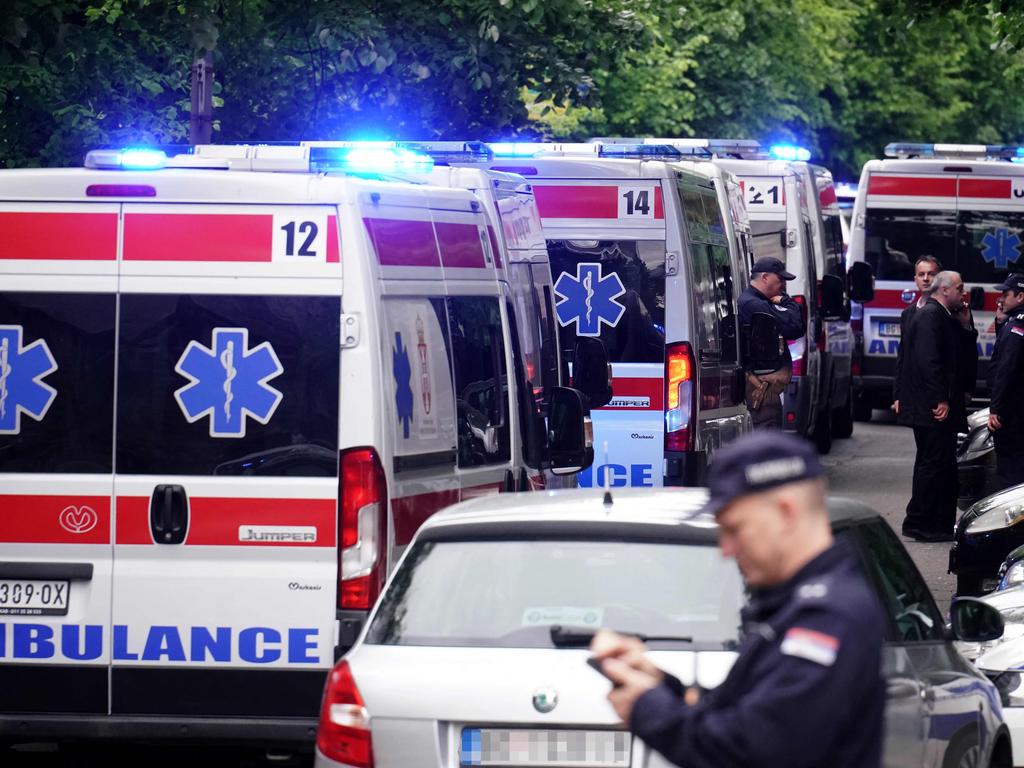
<point x="913" y="532"/>
<point x="933" y="537"/>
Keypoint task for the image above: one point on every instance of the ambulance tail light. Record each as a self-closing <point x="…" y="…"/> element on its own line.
<point x="680" y="380"/>
<point x="800" y="360"/>
<point x="344" y="731"/>
<point x="362" y="504"/>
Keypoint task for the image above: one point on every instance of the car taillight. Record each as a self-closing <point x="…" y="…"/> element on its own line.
<point x="679" y="384"/>
<point x="798" y="347"/>
<point x="362" y="509"/>
<point x="344" y="731"/>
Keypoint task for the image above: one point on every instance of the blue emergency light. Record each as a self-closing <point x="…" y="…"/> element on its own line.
<point x="368" y="158"/>
<point x="515" y="148"/>
<point x="128" y="159"/>
<point x="789" y="153"/>
<point x="1010" y="152"/>
<point x="650" y="151"/>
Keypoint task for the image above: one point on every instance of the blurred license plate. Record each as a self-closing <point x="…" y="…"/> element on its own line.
<point x="888" y="329"/>
<point x="23" y="597"/>
<point x="556" y="749"/>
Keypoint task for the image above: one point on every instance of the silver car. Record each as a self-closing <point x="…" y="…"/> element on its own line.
<point x="476" y="652"/>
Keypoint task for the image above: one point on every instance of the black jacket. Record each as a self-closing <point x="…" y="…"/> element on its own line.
<point x="939" y="364"/>
<point x="1006" y="372"/>
<point x="806" y="689"/>
<point x="905" y="317"/>
<point x="788" y="317"/>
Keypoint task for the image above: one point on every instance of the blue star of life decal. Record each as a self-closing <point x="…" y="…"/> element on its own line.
<point x="21" y="372"/>
<point x="588" y="299"/>
<point x="228" y="382"/>
<point x="402" y="370"/>
<point x="1000" y="248"/>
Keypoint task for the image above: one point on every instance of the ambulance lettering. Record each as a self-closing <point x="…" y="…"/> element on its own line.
<point x="73" y="642"/>
<point x="886" y="347"/>
<point x="589" y="299"/>
<point x="617" y="476"/>
<point x="228" y="382"/>
<point x="21" y="372"/>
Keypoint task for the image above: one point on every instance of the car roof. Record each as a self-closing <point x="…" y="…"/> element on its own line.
<point x="633" y="513"/>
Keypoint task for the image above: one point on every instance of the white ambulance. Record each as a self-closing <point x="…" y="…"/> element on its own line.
<point x="227" y="401"/>
<point x="962" y="204"/>
<point x="648" y="251"/>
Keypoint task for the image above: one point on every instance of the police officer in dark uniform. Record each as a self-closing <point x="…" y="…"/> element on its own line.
<point x="806" y="689"/>
<point x="1006" y="374"/>
<point x="767" y="294"/>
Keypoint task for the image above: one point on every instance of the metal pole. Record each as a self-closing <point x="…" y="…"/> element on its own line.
<point x="202" y="100"/>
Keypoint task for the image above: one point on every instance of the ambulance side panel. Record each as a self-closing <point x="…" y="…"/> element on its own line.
<point x="58" y="296"/>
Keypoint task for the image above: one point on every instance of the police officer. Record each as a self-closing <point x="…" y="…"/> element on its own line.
<point x="806" y="689"/>
<point x="767" y="294"/>
<point x="1006" y="374"/>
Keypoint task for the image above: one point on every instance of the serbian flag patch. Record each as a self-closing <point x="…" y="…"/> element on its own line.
<point x="1018" y="330"/>
<point x="811" y="645"/>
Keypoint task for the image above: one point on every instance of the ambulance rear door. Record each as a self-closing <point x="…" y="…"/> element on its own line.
<point x="226" y="483"/>
<point x="58" y="283"/>
<point x="606" y="241"/>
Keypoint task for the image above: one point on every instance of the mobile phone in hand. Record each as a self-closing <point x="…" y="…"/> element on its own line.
<point x="595" y="663"/>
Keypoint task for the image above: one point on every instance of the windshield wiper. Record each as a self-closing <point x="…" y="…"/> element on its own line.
<point x="580" y="637"/>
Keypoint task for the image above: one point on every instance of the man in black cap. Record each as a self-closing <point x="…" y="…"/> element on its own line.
<point x="1005" y="374"/>
<point x="806" y="688"/>
<point x="767" y="294"/>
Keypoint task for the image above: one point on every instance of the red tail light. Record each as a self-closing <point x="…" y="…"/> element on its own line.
<point x="344" y="731"/>
<point x="798" y="348"/>
<point x="680" y="390"/>
<point x="362" y="505"/>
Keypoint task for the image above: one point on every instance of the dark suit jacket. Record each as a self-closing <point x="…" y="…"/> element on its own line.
<point x="939" y="365"/>
<point x="905" y="317"/>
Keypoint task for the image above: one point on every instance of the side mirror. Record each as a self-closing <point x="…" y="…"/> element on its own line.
<point x="765" y="348"/>
<point x="591" y="373"/>
<point x="977" y="297"/>
<point x="832" y="299"/>
<point x="570" y="433"/>
<point x="975" y="621"/>
<point x="862" y="282"/>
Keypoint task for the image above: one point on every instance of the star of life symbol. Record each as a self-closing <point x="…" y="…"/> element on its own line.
<point x="228" y="382"/>
<point x="1000" y="248"/>
<point x="588" y="299"/>
<point x="22" y="370"/>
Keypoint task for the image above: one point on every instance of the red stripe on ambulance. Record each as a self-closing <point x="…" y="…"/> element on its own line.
<point x="333" y="256"/>
<point x="993" y="189"/>
<point x="460" y="245"/>
<point x="44" y="519"/>
<point x="59" y="236"/>
<point x="912" y="186"/>
<point x="893" y="299"/>
<point x="198" y="237"/>
<point x="493" y="237"/>
<point x="219" y="521"/>
<point x="630" y="392"/>
<point x="577" y="202"/>
<point x="403" y="243"/>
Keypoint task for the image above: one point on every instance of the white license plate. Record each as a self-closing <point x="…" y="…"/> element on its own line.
<point x="548" y="748"/>
<point x="889" y="329"/>
<point x="25" y="597"/>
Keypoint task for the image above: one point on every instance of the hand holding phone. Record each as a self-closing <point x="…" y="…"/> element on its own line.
<point x="595" y="663"/>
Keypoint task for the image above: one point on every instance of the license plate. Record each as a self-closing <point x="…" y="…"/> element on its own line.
<point x="24" y="597"/>
<point x="889" y="329"/>
<point x="549" y="748"/>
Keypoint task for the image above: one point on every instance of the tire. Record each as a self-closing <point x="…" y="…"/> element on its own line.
<point x="823" y="430"/>
<point x="843" y="417"/>
<point x="968" y="584"/>
<point x="861" y="408"/>
<point x="964" y="751"/>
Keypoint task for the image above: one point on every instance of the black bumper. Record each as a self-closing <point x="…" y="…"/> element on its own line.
<point x="686" y="468"/>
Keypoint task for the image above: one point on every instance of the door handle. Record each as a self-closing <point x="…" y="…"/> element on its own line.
<point x="168" y="514"/>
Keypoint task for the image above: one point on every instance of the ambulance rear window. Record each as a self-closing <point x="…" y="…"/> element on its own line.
<point x="233" y="353"/>
<point x="56" y="382"/>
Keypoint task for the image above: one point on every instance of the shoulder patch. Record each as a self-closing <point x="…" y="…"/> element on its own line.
<point x="811" y="645"/>
<point x="811" y="591"/>
<point x="1017" y="329"/>
<point x="780" y="309"/>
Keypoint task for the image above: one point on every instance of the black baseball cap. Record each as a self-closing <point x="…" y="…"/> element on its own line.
<point x="771" y="264"/>
<point x="757" y="462"/>
<point x="1013" y="282"/>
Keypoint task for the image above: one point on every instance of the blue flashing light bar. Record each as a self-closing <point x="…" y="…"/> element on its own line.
<point x="789" y="153"/>
<point x="373" y="158"/>
<point x="980" y="151"/>
<point x="515" y="148"/>
<point x="128" y="159"/>
<point x="650" y="151"/>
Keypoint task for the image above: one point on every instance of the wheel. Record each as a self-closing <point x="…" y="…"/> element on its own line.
<point x="861" y="408"/>
<point x="964" y="751"/>
<point x="842" y="417"/>
<point x="968" y="584"/>
<point x="823" y="430"/>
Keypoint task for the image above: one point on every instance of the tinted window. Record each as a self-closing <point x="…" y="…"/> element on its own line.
<point x="902" y="591"/>
<point x="301" y="436"/>
<point x="481" y="383"/>
<point x="989" y="245"/>
<point x="701" y="211"/>
<point x="835" y="263"/>
<point x="510" y="593"/>
<point x="639" y="335"/>
<point x="895" y="239"/>
<point x="532" y="319"/>
<point x="76" y="431"/>
<point x="768" y="237"/>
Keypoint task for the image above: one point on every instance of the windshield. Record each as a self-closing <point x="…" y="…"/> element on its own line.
<point x="510" y="593"/>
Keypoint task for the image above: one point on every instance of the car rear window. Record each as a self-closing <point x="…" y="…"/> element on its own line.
<point x="510" y="593"/>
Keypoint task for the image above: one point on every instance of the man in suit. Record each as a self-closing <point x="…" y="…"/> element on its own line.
<point x="938" y="367"/>
<point x="925" y="270"/>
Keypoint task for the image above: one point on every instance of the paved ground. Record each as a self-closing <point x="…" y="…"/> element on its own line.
<point x="875" y="466"/>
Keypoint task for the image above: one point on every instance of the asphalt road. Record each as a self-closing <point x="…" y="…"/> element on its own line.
<point x="875" y="466"/>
